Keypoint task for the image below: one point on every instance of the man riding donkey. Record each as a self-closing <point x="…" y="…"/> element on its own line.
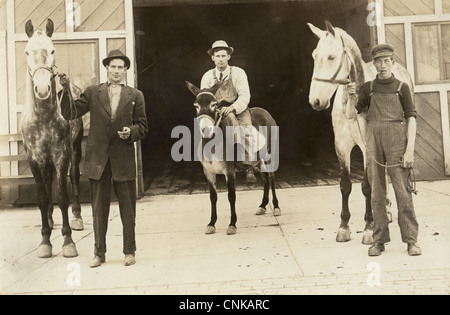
<point x="233" y="97"/>
<point x="390" y="136"/>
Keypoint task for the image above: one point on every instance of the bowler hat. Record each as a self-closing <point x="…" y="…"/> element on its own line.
<point x="116" y="54"/>
<point x="382" y="50"/>
<point x="220" y="44"/>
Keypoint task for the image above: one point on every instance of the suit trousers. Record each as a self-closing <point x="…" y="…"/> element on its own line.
<point x="101" y="200"/>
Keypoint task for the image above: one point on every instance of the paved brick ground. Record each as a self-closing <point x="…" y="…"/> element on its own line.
<point x="294" y="254"/>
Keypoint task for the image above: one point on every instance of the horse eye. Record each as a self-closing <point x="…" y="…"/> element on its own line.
<point x="53" y="52"/>
<point x="27" y="53"/>
<point x="331" y="57"/>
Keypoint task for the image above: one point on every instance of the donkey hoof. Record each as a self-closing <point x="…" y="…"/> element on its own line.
<point x="276" y="212"/>
<point x="44" y="251"/>
<point x="261" y="211"/>
<point x="389" y="215"/>
<point x="70" y="251"/>
<point x="231" y="230"/>
<point x="77" y="224"/>
<point x="367" y="237"/>
<point x="210" y="229"/>
<point x="343" y="235"/>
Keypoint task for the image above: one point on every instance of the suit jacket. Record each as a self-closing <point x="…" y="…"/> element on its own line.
<point x="103" y="142"/>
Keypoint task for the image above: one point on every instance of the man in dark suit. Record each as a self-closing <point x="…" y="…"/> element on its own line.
<point x="118" y="120"/>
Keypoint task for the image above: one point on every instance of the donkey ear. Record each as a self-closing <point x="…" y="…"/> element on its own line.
<point x="317" y="31"/>
<point x="330" y="28"/>
<point x="215" y="87"/>
<point x="195" y="90"/>
<point x="29" y="29"/>
<point x="49" y="28"/>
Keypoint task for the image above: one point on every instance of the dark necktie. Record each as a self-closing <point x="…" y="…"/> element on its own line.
<point x="221" y="76"/>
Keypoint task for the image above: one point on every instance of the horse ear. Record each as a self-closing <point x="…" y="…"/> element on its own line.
<point x="317" y="31"/>
<point x="49" y="28"/>
<point x="29" y="28"/>
<point x="330" y="28"/>
<point x="195" y="90"/>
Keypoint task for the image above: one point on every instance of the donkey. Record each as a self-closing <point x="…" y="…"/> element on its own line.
<point x="208" y="118"/>
<point x="338" y="62"/>
<point x="46" y="135"/>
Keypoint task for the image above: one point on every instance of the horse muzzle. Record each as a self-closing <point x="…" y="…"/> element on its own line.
<point x="42" y="92"/>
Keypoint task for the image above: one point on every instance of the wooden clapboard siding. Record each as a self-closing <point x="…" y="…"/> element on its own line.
<point x="21" y="68"/>
<point x="408" y="7"/>
<point x="395" y="35"/>
<point x="429" y="146"/>
<point x="3" y="16"/>
<point x="116" y="43"/>
<point x="38" y="12"/>
<point x="446" y="6"/>
<point x="106" y="15"/>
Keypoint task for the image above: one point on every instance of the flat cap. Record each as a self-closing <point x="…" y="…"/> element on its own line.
<point x="382" y="50"/>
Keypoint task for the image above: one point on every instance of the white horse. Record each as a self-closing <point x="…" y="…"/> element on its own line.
<point x="338" y="62"/>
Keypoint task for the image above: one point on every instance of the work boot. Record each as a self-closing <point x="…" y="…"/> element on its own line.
<point x="97" y="261"/>
<point x="414" y="249"/>
<point x="376" y="249"/>
<point x="129" y="260"/>
<point x="250" y="176"/>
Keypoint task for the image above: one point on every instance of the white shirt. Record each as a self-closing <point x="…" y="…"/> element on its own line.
<point x="239" y="81"/>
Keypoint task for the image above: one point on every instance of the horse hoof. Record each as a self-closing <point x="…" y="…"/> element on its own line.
<point x="210" y="229"/>
<point x="70" y="251"/>
<point x="276" y="212"/>
<point x="44" y="251"/>
<point x="367" y="237"/>
<point x="261" y="211"/>
<point x="389" y="215"/>
<point x="343" y="235"/>
<point x="231" y="230"/>
<point x="77" y="224"/>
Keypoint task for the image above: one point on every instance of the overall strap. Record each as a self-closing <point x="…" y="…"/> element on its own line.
<point x="400" y="87"/>
<point x="371" y="88"/>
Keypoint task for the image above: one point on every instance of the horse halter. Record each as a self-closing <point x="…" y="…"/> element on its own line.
<point x="333" y="79"/>
<point x="49" y="69"/>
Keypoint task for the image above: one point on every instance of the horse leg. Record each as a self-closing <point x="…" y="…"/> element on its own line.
<point x="276" y="208"/>
<point x="211" y="229"/>
<point x="69" y="248"/>
<point x="77" y="220"/>
<point x="265" y="201"/>
<point x="343" y="234"/>
<point x="48" y="180"/>
<point x="45" y="248"/>
<point x="231" y="181"/>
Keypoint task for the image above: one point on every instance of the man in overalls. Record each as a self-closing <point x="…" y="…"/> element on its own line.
<point x="233" y="96"/>
<point x="390" y="136"/>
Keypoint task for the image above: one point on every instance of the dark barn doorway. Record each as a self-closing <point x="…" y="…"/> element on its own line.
<point x="273" y="45"/>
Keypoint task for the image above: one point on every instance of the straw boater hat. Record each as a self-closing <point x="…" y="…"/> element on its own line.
<point x="117" y="54"/>
<point x="382" y="50"/>
<point x="220" y="44"/>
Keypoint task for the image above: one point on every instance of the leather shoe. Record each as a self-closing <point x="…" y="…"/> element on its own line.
<point x="376" y="249"/>
<point x="97" y="261"/>
<point x="129" y="260"/>
<point x="414" y="249"/>
<point x="250" y="176"/>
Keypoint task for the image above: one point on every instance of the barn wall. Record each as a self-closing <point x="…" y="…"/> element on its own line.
<point x="85" y="31"/>
<point x="414" y="27"/>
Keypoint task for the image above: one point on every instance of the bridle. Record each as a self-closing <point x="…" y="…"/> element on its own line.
<point x="218" y="119"/>
<point x="333" y="79"/>
<point x="49" y="69"/>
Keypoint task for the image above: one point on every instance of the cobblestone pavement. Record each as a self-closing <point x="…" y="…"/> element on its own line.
<point x="294" y="254"/>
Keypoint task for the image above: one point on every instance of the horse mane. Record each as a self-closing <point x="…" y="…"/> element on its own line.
<point x="358" y="72"/>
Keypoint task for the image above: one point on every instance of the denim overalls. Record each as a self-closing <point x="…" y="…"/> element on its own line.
<point x="386" y="144"/>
